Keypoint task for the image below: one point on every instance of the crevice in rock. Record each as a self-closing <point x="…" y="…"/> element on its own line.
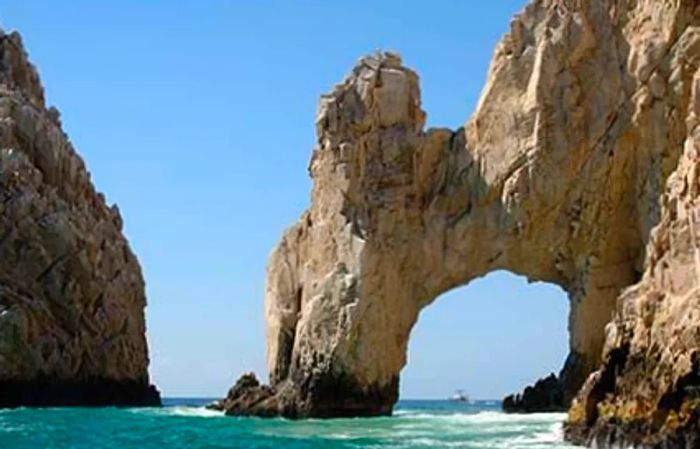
<point x="686" y="388"/>
<point x="613" y="366"/>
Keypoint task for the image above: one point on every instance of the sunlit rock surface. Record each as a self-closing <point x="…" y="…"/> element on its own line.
<point x="579" y="167"/>
<point x="72" y="298"/>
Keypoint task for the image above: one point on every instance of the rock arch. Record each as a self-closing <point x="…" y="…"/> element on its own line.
<point x="558" y="176"/>
<point x="400" y="215"/>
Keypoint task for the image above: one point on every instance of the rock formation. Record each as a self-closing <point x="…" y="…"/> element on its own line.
<point x="547" y="395"/>
<point x="243" y="397"/>
<point x="72" y="329"/>
<point x="579" y="167"/>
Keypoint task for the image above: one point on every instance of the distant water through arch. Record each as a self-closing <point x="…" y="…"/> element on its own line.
<point x="489" y="338"/>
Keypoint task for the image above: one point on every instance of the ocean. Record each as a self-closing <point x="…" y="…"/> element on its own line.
<point x="185" y="423"/>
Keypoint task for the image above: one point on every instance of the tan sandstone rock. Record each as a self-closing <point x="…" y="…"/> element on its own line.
<point x="578" y="167"/>
<point x="72" y="298"/>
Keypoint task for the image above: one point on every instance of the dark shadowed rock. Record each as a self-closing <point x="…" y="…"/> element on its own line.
<point x="547" y="395"/>
<point x="247" y="397"/>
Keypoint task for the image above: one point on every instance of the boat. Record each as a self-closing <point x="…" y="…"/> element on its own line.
<point x="460" y="396"/>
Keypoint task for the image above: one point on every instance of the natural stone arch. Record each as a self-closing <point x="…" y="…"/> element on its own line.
<point x="559" y="176"/>
<point x="400" y="216"/>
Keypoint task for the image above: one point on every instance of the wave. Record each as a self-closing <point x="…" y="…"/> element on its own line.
<point x="483" y="430"/>
<point x="482" y="417"/>
<point x="180" y="410"/>
<point x="195" y="411"/>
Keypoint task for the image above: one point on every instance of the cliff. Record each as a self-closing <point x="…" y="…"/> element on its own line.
<point x="579" y="167"/>
<point x="72" y="328"/>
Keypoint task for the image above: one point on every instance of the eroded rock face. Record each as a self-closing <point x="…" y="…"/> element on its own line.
<point x="72" y="329"/>
<point x="578" y="168"/>
<point x="647" y="391"/>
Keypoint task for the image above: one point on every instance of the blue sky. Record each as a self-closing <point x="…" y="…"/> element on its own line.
<point x="196" y="117"/>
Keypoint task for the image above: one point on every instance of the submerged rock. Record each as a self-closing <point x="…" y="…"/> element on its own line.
<point x="72" y="329"/>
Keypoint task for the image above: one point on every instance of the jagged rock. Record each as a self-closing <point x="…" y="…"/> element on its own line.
<point x="579" y="168"/>
<point x="647" y="391"/>
<point x="547" y="395"/>
<point x="72" y="298"/>
<point x="246" y="397"/>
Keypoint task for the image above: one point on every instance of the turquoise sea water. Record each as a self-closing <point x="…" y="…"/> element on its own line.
<point x="184" y="423"/>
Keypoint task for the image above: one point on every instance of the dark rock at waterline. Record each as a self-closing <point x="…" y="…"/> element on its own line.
<point x="547" y="395"/>
<point x="636" y="434"/>
<point x="322" y="397"/>
<point x="89" y="393"/>
<point x="247" y="397"/>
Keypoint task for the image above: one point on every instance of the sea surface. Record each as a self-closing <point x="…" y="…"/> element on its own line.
<point x="185" y="423"/>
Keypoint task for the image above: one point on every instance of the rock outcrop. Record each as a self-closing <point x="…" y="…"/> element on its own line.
<point x="72" y="329"/>
<point x="579" y="167"/>
<point x="546" y="395"/>
<point x="647" y="391"/>
<point x="244" y="397"/>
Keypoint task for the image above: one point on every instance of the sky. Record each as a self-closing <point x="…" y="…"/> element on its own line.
<point x="197" y="119"/>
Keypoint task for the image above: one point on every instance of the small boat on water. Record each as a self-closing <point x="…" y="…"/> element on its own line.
<point x="460" y="396"/>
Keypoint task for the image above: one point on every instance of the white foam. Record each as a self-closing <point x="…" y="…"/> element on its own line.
<point x="180" y="410"/>
<point x="493" y="430"/>
<point x="194" y="411"/>
<point x="485" y="417"/>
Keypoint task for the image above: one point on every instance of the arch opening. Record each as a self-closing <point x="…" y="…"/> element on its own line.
<point x="489" y="338"/>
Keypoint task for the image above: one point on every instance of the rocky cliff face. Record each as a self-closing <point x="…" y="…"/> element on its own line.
<point x="72" y="299"/>
<point x="577" y="168"/>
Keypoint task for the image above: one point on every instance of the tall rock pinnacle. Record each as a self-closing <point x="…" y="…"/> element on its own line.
<point x="72" y="328"/>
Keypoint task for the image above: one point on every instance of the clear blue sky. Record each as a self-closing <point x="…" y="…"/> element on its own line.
<point x="196" y="117"/>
